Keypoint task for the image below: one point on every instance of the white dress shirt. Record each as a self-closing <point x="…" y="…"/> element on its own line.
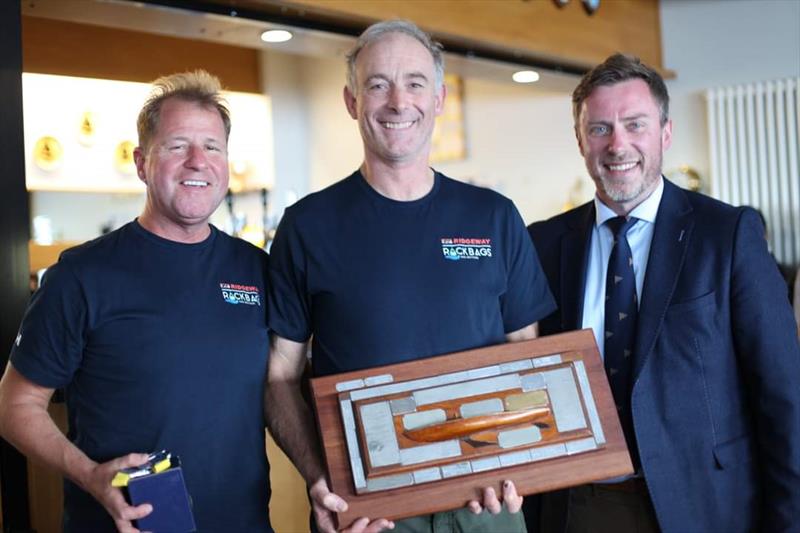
<point x="640" y="236"/>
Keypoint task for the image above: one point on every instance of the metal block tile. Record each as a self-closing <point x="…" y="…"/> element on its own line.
<point x="527" y="400"/>
<point x="532" y="381"/>
<point x="390" y="482"/>
<point x="564" y="399"/>
<point x="546" y="360"/>
<point x="401" y="406"/>
<point x="430" y="452"/>
<point x="481" y="408"/>
<point x="379" y="434"/>
<point x="457" y="469"/>
<point x="582" y="445"/>
<point x="588" y="401"/>
<point x="426" y="475"/>
<point x="484" y="372"/>
<point x="344" y="386"/>
<point x="515" y="458"/>
<point x="516" y="366"/>
<point x="484" y="464"/>
<point x="548" y="452"/>
<point x="351" y="439"/>
<point x="519" y="437"/>
<point x="382" y="379"/>
<point x="421" y="419"/>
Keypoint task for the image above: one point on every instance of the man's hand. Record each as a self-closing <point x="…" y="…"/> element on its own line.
<point x="325" y="503"/>
<point x="98" y="484"/>
<point x="512" y="500"/>
<point x="25" y="423"/>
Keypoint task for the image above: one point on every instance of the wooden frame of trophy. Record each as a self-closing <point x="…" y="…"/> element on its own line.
<point x="427" y="435"/>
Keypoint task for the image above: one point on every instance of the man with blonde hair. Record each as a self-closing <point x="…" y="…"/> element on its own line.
<point x="139" y="328"/>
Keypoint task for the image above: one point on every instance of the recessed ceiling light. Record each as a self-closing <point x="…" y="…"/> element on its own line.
<point x="525" y="76"/>
<point x="276" y="36"/>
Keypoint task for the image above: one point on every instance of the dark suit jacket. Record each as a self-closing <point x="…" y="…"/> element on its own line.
<point x="716" y="394"/>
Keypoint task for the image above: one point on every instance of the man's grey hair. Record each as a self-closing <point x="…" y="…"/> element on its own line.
<point x="378" y="30"/>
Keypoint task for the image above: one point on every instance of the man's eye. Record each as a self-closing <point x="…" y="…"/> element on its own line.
<point x="417" y="85"/>
<point x="636" y="125"/>
<point x="213" y="148"/>
<point x="598" y="130"/>
<point x="177" y="147"/>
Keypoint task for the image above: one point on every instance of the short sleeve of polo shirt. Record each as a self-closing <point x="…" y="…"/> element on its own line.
<point x="289" y="301"/>
<point x="49" y="347"/>
<point x="527" y="298"/>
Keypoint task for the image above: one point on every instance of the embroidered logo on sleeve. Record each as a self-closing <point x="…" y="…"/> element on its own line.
<point x="458" y="248"/>
<point x="233" y="293"/>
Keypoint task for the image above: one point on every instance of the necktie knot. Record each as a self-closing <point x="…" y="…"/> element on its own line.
<point x="621" y="225"/>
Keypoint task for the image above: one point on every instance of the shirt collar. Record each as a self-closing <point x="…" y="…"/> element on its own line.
<point x="646" y="210"/>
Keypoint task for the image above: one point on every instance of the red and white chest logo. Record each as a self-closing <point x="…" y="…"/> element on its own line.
<point x="235" y="293"/>
<point x="458" y="248"/>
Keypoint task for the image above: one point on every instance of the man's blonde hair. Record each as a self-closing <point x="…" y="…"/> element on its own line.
<point x="197" y="87"/>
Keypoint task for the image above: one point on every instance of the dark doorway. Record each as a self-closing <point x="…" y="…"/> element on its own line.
<point x="14" y="272"/>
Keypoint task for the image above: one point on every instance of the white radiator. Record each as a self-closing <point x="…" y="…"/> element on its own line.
<point x="755" y="155"/>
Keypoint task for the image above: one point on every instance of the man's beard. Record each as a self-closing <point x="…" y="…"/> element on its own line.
<point x="626" y="192"/>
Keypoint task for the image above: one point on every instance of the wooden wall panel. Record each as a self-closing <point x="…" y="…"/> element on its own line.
<point x="538" y="28"/>
<point x="288" y="507"/>
<point x="71" y="49"/>
<point x="46" y="486"/>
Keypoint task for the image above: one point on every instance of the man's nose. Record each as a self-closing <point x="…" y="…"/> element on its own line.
<point x="196" y="158"/>
<point x="618" y="140"/>
<point x="398" y="99"/>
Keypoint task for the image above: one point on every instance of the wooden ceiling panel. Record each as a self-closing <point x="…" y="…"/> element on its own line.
<point x="67" y="48"/>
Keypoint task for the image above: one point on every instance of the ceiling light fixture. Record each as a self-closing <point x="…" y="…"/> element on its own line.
<point x="525" y="76"/>
<point x="276" y="36"/>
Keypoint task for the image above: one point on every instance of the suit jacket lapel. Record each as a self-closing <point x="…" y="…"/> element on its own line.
<point x="574" y="261"/>
<point x="673" y="229"/>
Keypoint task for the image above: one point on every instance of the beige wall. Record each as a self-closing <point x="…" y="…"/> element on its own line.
<point x="521" y="143"/>
<point x="520" y="140"/>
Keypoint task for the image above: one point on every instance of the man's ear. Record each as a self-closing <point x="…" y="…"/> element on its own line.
<point x="441" y="94"/>
<point x="350" y="102"/>
<point x="666" y="135"/>
<point x="577" y="130"/>
<point x="138" y="158"/>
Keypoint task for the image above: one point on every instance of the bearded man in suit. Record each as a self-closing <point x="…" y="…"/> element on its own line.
<point x="700" y="346"/>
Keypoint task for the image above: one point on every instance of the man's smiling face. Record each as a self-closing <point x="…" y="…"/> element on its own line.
<point x="397" y="99"/>
<point x="185" y="168"/>
<point x="622" y="140"/>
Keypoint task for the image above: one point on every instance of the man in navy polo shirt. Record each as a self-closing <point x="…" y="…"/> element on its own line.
<point x="394" y="263"/>
<point x="156" y="332"/>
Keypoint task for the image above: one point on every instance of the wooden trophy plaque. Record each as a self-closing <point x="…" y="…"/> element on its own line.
<point x="427" y="435"/>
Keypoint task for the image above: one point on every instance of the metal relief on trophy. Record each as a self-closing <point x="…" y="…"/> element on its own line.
<point x="417" y="431"/>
